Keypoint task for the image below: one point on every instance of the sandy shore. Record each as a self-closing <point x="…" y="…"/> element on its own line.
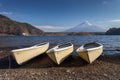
<point x="73" y="68"/>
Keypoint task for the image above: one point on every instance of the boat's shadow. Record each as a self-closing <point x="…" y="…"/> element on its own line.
<point x="114" y="59"/>
<point x="43" y="61"/>
<point x="4" y="63"/>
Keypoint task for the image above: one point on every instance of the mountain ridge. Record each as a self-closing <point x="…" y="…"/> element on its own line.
<point x="113" y="31"/>
<point x="86" y="27"/>
<point x="11" y="27"/>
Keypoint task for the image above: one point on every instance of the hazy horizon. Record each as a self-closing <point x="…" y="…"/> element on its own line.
<point x="59" y="15"/>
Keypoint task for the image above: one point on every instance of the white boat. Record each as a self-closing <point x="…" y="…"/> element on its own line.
<point x="26" y="54"/>
<point x="90" y="51"/>
<point x="60" y="52"/>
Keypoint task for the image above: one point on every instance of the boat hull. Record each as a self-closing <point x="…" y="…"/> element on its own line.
<point x="27" y="54"/>
<point x="90" y="55"/>
<point x="59" y="56"/>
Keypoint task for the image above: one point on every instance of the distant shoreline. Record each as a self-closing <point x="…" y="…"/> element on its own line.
<point x="65" y="34"/>
<point x="73" y="33"/>
<point x="62" y="34"/>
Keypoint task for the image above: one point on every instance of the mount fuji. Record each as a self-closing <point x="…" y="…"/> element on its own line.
<point x="86" y="27"/>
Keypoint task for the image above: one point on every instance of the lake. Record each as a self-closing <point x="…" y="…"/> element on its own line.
<point x="111" y="43"/>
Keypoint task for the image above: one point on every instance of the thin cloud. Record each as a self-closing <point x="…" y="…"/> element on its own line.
<point x="115" y="20"/>
<point x="52" y="28"/>
<point x="104" y="2"/>
<point x="6" y="13"/>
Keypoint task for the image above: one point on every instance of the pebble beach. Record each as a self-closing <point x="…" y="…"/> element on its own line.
<point x="106" y="67"/>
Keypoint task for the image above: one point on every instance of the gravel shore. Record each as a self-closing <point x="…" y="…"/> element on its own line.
<point x="106" y="67"/>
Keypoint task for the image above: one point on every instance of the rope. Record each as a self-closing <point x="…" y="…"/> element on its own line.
<point x="9" y="62"/>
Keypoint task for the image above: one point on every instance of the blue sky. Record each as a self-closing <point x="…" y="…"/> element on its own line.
<point x="58" y="15"/>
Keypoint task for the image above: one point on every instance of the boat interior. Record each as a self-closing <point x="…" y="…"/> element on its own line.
<point x="91" y="45"/>
<point x="41" y="44"/>
<point x="64" y="45"/>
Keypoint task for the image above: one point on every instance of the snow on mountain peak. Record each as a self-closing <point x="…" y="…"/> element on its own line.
<point x="87" y="23"/>
<point x="86" y="27"/>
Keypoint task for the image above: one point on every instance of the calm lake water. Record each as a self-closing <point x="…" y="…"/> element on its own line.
<point x="111" y="43"/>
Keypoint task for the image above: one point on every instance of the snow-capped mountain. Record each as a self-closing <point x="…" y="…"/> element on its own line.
<point x="86" y="27"/>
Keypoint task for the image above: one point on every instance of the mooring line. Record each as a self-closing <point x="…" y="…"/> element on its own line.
<point x="9" y="62"/>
